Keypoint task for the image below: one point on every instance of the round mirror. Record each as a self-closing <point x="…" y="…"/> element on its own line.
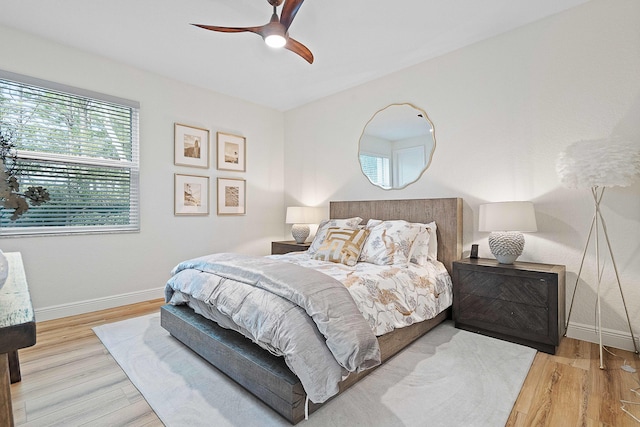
<point x="396" y="146"/>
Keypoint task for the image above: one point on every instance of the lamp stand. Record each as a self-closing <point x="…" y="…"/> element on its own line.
<point x="300" y="232"/>
<point x="596" y="222"/>
<point x="506" y="246"/>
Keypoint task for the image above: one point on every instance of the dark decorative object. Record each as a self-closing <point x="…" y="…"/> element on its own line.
<point x="474" y="251"/>
<point x="10" y="195"/>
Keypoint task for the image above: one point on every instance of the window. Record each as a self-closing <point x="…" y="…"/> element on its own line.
<point x="82" y="147"/>
<point x="376" y="168"/>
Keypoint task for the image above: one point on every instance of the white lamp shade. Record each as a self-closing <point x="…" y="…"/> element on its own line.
<point x="507" y="216"/>
<point x="303" y="215"/>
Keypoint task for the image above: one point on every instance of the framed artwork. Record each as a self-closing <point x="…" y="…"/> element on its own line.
<point x="231" y="196"/>
<point x="191" y="146"/>
<point x="191" y="195"/>
<point x="231" y="152"/>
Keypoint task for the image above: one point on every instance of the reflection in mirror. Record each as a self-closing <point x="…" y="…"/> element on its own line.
<point x="396" y="146"/>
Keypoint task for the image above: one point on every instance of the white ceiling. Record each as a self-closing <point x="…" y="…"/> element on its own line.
<point x="353" y="41"/>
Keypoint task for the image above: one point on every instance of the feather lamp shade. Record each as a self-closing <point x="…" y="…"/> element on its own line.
<point x="599" y="163"/>
<point x="507" y="221"/>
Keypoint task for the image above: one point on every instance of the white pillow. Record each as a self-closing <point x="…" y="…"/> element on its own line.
<point x="420" y="249"/>
<point x="389" y="242"/>
<point x="324" y="226"/>
<point x="433" y="241"/>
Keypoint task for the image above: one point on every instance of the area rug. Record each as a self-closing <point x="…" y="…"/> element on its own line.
<point x="449" y="377"/>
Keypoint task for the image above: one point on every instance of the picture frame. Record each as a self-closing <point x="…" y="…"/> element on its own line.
<point x="232" y="196"/>
<point x="231" y="152"/>
<point x="191" y="194"/>
<point x="191" y="146"/>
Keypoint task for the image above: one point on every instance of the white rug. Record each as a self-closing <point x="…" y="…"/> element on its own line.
<point x="449" y="377"/>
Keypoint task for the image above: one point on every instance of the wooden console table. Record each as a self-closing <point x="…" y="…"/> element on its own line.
<point x="17" y="330"/>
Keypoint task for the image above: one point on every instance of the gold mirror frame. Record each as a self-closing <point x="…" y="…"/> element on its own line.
<point x="391" y="135"/>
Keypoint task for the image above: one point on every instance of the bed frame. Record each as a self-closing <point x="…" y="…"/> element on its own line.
<point x="267" y="376"/>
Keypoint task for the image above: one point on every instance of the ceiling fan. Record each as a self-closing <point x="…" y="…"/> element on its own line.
<point x="276" y="32"/>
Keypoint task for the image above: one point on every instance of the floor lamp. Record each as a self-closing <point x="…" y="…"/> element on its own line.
<point x="597" y="165"/>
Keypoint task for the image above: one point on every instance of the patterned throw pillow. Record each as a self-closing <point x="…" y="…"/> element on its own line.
<point x="324" y="226"/>
<point x="342" y="245"/>
<point x="389" y="243"/>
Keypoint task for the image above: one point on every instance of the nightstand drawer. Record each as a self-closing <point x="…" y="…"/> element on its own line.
<point x="504" y="316"/>
<point x="518" y="289"/>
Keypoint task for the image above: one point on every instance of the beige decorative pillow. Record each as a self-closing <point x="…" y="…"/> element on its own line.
<point x="342" y="245"/>
<point x="389" y="242"/>
<point x="324" y="226"/>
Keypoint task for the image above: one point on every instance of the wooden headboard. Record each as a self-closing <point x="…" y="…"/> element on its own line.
<point x="447" y="213"/>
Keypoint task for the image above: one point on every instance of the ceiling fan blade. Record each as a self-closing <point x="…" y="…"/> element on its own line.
<point x="289" y="11"/>
<point x="256" y="30"/>
<point x="297" y="47"/>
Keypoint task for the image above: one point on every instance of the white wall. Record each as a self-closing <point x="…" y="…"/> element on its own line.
<point x="503" y="109"/>
<point x="73" y="274"/>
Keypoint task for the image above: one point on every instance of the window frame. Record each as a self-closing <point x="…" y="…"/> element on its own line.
<point x="389" y="166"/>
<point x="132" y="166"/>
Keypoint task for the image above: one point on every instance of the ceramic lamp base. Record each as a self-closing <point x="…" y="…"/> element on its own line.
<point x="506" y="246"/>
<point x="300" y="232"/>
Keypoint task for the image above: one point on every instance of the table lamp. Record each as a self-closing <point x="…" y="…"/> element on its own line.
<point x="507" y="221"/>
<point x="301" y="217"/>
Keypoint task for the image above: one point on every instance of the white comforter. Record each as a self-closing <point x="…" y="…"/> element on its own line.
<point x="303" y="315"/>
<point x="319" y="346"/>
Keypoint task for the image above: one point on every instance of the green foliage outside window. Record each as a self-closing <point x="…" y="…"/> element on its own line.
<point x="82" y="150"/>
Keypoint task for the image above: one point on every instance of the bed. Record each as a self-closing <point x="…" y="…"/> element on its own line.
<point x="266" y="375"/>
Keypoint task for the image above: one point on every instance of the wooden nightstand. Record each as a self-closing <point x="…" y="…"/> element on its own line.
<point x="286" y="246"/>
<point x="522" y="303"/>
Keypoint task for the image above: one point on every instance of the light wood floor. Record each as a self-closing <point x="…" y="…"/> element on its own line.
<point x="69" y="379"/>
<point x="570" y="389"/>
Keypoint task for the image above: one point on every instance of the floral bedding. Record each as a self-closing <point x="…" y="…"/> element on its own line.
<point x="388" y="296"/>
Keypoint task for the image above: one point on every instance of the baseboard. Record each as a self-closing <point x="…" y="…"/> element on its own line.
<point x="610" y="337"/>
<point x="87" y="306"/>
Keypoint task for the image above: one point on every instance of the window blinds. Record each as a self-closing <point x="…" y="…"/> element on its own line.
<point x="82" y="147"/>
<point x="376" y="168"/>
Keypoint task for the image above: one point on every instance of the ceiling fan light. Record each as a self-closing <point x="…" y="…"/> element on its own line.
<point x="275" y="40"/>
